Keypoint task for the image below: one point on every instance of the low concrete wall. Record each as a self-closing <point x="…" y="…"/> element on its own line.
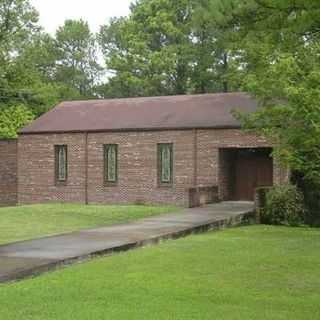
<point x="8" y="172"/>
<point x="203" y="195"/>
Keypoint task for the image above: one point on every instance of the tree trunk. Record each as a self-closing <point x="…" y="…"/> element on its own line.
<point x="225" y="70"/>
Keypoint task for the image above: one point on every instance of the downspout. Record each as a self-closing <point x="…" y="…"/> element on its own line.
<point x="195" y="158"/>
<point x="86" y="169"/>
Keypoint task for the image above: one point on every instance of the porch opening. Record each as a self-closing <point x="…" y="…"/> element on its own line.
<point x="242" y="170"/>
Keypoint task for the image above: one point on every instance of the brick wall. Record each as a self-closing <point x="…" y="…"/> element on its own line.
<point x="212" y="162"/>
<point x="226" y="173"/>
<point x="209" y="143"/>
<point x="137" y="181"/>
<point x="36" y="169"/>
<point x="8" y="172"/>
<point x="138" y="177"/>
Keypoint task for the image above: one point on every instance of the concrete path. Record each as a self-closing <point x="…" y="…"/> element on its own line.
<point x="27" y="258"/>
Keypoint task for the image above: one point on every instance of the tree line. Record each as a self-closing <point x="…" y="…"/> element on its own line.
<point x="162" y="47"/>
<point x="269" y="48"/>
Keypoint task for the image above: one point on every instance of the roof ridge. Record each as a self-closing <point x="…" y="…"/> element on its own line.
<point x="158" y="97"/>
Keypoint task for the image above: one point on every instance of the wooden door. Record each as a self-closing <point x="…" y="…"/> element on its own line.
<point x="252" y="170"/>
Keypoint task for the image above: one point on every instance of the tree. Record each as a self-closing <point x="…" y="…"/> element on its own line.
<point x="214" y="67"/>
<point x="164" y="47"/>
<point x="76" y="64"/>
<point x="281" y="49"/>
<point x="279" y="43"/>
<point x="37" y="70"/>
<point x="149" y="49"/>
<point x="17" y="24"/>
<point x="12" y="119"/>
<point x="30" y="76"/>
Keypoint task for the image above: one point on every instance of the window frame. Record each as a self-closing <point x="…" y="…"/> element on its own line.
<point x="57" y="148"/>
<point x="162" y="183"/>
<point x="106" y="180"/>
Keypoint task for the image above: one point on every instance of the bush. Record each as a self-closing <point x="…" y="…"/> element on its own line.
<point x="12" y="118"/>
<point x="284" y="206"/>
<point x="311" y="194"/>
<point x="312" y="203"/>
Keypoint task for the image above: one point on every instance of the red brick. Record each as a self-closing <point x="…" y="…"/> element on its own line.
<point x="8" y="172"/>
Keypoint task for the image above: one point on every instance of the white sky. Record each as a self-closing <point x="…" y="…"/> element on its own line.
<point x="53" y="13"/>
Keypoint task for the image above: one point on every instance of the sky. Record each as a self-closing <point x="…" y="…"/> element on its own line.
<point x="97" y="12"/>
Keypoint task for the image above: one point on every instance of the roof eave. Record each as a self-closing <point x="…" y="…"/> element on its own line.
<point x="22" y="132"/>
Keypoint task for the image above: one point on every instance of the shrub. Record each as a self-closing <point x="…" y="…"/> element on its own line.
<point x="13" y="118"/>
<point x="311" y="194"/>
<point x="312" y="203"/>
<point x="284" y="206"/>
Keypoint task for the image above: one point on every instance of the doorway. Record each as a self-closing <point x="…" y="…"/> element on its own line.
<point x="243" y="170"/>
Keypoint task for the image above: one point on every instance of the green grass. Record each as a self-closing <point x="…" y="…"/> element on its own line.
<point x="29" y="222"/>
<point x="246" y="273"/>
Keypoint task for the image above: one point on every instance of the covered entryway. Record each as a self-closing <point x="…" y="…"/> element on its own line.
<point x="242" y="170"/>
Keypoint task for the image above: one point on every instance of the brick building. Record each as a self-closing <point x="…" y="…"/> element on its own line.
<point x="8" y="172"/>
<point x="181" y="150"/>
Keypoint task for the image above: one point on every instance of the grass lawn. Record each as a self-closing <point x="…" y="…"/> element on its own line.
<point x="29" y="222"/>
<point x="255" y="272"/>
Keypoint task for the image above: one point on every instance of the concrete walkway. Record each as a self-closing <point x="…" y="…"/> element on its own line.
<point x="26" y="258"/>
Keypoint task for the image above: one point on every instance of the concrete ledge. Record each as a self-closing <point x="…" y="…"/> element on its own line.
<point x="203" y="195"/>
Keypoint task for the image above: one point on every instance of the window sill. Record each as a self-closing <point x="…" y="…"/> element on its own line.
<point x="110" y="184"/>
<point x="61" y="183"/>
<point x="165" y="185"/>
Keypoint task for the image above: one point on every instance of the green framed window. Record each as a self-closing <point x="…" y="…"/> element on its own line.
<point x="61" y="163"/>
<point x="111" y="163"/>
<point x="165" y="163"/>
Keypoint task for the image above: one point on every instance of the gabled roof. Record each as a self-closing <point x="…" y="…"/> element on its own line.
<point x="152" y="113"/>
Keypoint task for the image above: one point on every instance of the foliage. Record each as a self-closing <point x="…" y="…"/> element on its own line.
<point x="12" y="119"/>
<point x="76" y="64"/>
<point x="279" y="42"/>
<point x="284" y="205"/>
<point x="311" y="198"/>
<point x="165" y="47"/>
<point x="18" y="22"/>
<point x="38" y="70"/>
<point x="149" y="49"/>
